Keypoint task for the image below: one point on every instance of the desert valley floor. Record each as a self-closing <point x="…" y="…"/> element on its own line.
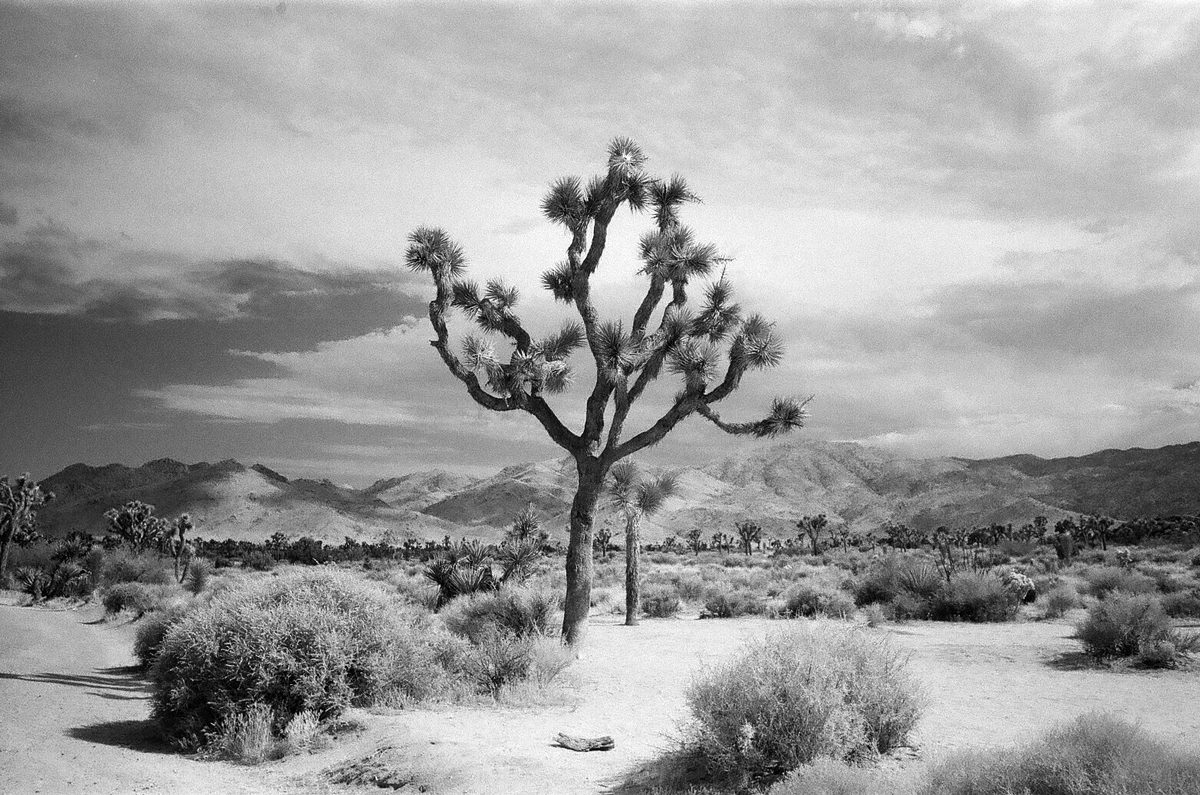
<point x="77" y="711"/>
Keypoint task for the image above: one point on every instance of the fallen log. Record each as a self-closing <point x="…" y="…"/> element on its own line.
<point x="584" y="743"/>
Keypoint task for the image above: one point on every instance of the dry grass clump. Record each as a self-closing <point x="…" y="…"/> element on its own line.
<point x="1093" y="755"/>
<point x="795" y="696"/>
<point x="317" y="641"/>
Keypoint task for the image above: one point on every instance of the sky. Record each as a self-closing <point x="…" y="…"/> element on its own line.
<point x="975" y="225"/>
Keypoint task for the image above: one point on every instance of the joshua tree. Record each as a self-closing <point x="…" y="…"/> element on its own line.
<point x="627" y="358"/>
<point x="635" y="498"/>
<point x="19" y="503"/>
<point x="748" y="534"/>
<point x="526" y="527"/>
<point x="180" y="547"/>
<point x="694" y="539"/>
<point x="601" y="541"/>
<point x="135" y="523"/>
<point x="811" y="526"/>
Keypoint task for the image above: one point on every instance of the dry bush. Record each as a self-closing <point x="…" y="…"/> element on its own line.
<point x="808" y="602"/>
<point x="516" y="611"/>
<point x="1184" y="604"/>
<point x="145" y="567"/>
<point x="1133" y="625"/>
<point x="1101" y="581"/>
<point x="974" y="597"/>
<point x="152" y="630"/>
<point x="318" y="641"/>
<point x="1093" y="755"/>
<point x="660" y="601"/>
<point x="792" y="697"/>
<point x="1058" y="600"/>
<point x="133" y="597"/>
<point x="726" y="603"/>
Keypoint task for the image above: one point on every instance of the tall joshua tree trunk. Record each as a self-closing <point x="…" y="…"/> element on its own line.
<point x="579" y="551"/>
<point x="633" y="584"/>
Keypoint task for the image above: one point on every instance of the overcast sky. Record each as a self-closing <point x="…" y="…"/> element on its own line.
<point x="976" y="227"/>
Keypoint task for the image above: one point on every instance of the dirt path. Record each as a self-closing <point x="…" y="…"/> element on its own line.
<point x="75" y="714"/>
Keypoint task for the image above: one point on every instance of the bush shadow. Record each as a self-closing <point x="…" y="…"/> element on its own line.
<point x="135" y="735"/>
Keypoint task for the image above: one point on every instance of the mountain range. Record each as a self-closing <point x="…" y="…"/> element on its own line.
<point x="773" y="485"/>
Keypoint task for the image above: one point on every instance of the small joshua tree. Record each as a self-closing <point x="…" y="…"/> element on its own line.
<point x="636" y="498"/>
<point x="135" y="523"/>
<point x="748" y="534"/>
<point x="695" y="540"/>
<point x="811" y="527"/>
<point x="710" y="347"/>
<point x="179" y="547"/>
<point x="19" y="503"/>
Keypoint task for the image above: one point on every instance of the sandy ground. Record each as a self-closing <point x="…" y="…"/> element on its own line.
<point x="75" y="714"/>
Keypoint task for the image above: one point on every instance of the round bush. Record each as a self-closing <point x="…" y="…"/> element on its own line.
<point x="806" y="602"/>
<point x="317" y="641"/>
<point x="1122" y="624"/>
<point x="660" y="601"/>
<point x="794" y="696"/>
<point x="152" y="630"/>
<point x="132" y="596"/>
<point x="974" y="597"/>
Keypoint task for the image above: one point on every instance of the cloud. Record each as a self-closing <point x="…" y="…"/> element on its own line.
<point x="48" y="271"/>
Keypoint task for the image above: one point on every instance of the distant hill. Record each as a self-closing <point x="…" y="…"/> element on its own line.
<point x="773" y="485"/>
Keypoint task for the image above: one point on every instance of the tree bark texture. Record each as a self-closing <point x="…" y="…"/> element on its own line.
<point x="579" y="552"/>
<point x="633" y="596"/>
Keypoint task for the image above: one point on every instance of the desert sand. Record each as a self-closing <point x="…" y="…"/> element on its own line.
<point x="76" y="713"/>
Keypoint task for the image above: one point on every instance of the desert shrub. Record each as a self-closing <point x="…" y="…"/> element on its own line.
<point x="519" y="612"/>
<point x="808" y="602"/>
<point x="880" y="584"/>
<point x="150" y="633"/>
<point x="1127" y="625"/>
<point x="875" y="615"/>
<point x="1104" y="580"/>
<point x="259" y="560"/>
<point x="905" y="607"/>
<point x="300" y="733"/>
<point x="794" y="696"/>
<point x="827" y="776"/>
<point x="415" y="590"/>
<point x="920" y="580"/>
<point x="974" y="597"/>
<point x="134" y="597"/>
<point x="245" y="736"/>
<point x="317" y="641"/>
<point x="1092" y="755"/>
<point x="198" y="574"/>
<point x="1185" y="604"/>
<point x="1165" y="580"/>
<point x="725" y="603"/>
<point x="501" y="659"/>
<point x="689" y="585"/>
<point x="1059" y="600"/>
<point x="145" y="567"/>
<point x="660" y="601"/>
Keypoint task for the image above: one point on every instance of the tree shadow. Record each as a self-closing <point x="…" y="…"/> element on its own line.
<point x="106" y="682"/>
<point x="135" y="735"/>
